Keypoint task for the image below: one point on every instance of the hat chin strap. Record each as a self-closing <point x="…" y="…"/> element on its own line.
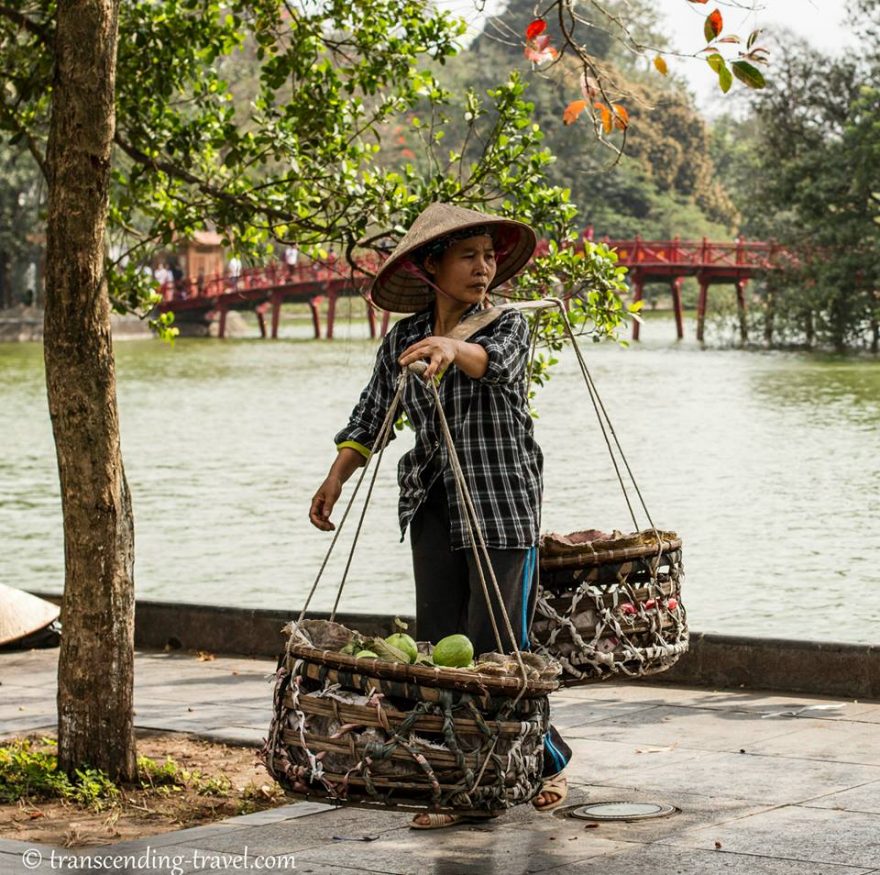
<point x="415" y="270"/>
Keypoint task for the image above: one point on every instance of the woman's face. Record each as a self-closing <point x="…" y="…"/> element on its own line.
<point x="465" y="269"/>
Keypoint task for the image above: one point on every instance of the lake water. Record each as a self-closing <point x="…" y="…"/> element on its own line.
<point x="767" y="464"/>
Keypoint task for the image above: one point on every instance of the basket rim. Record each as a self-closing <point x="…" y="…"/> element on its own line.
<point x="588" y="555"/>
<point x="455" y="679"/>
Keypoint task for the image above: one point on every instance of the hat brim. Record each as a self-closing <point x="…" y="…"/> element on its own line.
<point x="398" y="287"/>
<point x="22" y="613"/>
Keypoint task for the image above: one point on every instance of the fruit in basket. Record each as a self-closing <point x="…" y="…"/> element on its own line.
<point x="386" y="651"/>
<point x="453" y="651"/>
<point x="366" y="654"/>
<point x="405" y="644"/>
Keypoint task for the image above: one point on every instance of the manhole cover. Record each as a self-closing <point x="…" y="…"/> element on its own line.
<point x="622" y="811"/>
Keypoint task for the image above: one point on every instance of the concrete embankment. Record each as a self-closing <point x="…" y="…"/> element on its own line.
<point x="718" y="661"/>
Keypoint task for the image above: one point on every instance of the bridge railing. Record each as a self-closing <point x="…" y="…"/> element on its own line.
<point x="631" y="253"/>
<point x="699" y="253"/>
<point x="273" y="275"/>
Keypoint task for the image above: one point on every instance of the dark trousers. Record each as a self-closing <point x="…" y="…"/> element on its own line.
<point x="450" y="597"/>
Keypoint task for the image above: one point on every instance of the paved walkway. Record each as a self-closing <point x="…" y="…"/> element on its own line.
<point x="765" y="784"/>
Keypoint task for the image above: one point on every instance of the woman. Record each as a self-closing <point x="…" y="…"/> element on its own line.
<point x="442" y="271"/>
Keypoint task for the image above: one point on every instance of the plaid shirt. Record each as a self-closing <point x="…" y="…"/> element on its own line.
<point x="490" y="425"/>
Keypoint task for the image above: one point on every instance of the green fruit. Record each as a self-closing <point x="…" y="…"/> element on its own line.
<point x="454" y="651"/>
<point x="366" y="654"/>
<point x="404" y="643"/>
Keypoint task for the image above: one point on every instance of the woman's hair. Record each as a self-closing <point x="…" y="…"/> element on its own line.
<point x="436" y="248"/>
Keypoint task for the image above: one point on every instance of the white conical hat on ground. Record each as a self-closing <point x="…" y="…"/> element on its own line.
<point x="22" y="613"/>
<point x="399" y="285"/>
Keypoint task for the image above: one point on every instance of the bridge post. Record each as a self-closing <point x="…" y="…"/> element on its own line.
<point x="371" y="320"/>
<point x="331" y="312"/>
<point x="276" y="313"/>
<point x="701" y="307"/>
<point x="770" y="314"/>
<point x="221" y="328"/>
<point x="638" y="293"/>
<point x="316" y="316"/>
<point x="676" y="304"/>
<point x="741" y="309"/>
<point x="260" y="310"/>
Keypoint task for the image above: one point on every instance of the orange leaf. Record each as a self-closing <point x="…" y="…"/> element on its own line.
<point x="713" y="26"/>
<point x="699" y="1"/>
<point x="661" y="65"/>
<point x="573" y="110"/>
<point x="621" y="117"/>
<point x="607" y="124"/>
<point x="536" y="27"/>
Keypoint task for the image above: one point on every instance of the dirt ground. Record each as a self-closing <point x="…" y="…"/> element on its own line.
<point x="140" y="813"/>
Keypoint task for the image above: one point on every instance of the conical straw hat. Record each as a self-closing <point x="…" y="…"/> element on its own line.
<point x="399" y="287"/>
<point x="22" y="613"/>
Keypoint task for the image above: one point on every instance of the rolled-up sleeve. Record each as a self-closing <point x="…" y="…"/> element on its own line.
<point x="369" y="413"/>
<point x="507" y="345"/>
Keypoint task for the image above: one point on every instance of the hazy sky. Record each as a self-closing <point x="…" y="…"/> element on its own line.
<point x="821" y="22"/>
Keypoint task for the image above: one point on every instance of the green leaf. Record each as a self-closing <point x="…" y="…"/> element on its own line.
<point x="748" y="74"/>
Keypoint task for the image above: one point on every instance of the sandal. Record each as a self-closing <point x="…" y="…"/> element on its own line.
<point x="556" y="786"/>
<point x="442" y="821"/>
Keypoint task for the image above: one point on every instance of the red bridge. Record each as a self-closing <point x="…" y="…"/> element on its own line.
<point x="264" y="289"/>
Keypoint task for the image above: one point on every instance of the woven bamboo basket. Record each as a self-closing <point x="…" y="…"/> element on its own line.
<point x="610" y="606"/>
<point x="382" y="734"/>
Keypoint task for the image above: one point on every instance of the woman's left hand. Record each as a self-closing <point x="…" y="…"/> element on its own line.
<point x="440" y="353"/>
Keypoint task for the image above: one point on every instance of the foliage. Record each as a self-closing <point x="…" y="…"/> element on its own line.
<point x="31" y="772"/>
<point x="26" y="773"/>
<point x="301" y="159"/>
<point x="171" y="777"/>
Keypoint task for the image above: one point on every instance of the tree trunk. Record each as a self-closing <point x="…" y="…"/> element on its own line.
<point x="95" y="675"/>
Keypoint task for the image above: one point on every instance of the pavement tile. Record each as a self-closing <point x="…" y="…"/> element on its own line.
<point x="687" y="727"/>
<point x="295" y="836"/>
<point x="468" y="849"/>
<point x="835" y="741"/>
<point x="865" y="798"/>
<point x="571" y="713"/>
<point x="656" y="859"/>
<point x="766" y="779"/>
<point x="794" y="832"/>
<point x="741" y="700"/>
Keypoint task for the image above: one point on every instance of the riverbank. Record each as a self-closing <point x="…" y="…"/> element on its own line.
<point x="25" y="324"/>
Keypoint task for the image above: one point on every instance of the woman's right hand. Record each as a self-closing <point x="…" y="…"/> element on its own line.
<point x="322" y="503"/>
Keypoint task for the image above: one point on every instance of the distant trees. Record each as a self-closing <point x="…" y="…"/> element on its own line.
<point x="805" y="170"/>
<point x="22" y="200"/>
